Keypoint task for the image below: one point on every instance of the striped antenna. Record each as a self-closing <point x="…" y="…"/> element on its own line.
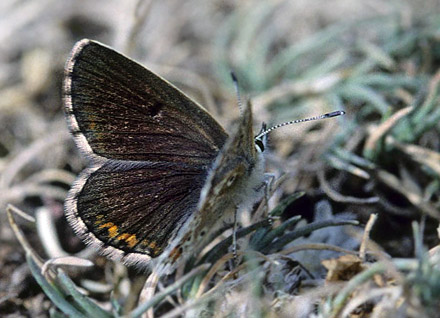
<point x="237" y="92"/>
<point x="328" y="115"/>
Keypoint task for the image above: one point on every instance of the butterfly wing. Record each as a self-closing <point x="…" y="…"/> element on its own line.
<point x="151" y="148"/>
<point x="117" y="109"/>
<point x="132" y="210"/>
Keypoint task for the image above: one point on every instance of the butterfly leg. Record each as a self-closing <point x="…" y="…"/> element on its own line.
<point x="269" y="180"/>
<point x="234" y="241"/>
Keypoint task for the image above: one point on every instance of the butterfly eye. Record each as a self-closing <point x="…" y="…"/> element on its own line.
<point x="231" y="180"/>
<point x="260" y="139"/>
<point x="259" y="144"/>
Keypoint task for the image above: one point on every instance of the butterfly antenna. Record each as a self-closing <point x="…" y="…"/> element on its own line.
<point x="328" y="115"/>
<point x="237" y="92"/>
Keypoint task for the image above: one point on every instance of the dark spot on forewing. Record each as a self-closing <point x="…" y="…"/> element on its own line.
<point x="154" y="108"/>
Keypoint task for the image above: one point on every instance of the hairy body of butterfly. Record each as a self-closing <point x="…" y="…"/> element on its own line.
<point x="234" y="182"/>
<point x="163" y="175"/>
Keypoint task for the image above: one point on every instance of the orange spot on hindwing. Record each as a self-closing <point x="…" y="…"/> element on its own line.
<point x="130" y="239"/>
<point x="111" y="228"/>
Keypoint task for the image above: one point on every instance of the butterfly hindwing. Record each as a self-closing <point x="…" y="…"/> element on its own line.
<point x="132" y="210"/>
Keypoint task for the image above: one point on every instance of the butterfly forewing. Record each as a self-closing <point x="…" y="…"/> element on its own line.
<point x="239" y="150"/>
<point x="117" y="109"/>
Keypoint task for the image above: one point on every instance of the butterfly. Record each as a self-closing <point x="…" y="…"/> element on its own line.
<point x="163" y="174"/>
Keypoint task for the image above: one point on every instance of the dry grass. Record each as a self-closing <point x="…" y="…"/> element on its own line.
<point x="376" y="60"/>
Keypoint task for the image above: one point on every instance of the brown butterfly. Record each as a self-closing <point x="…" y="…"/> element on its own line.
<point x="163" y="175"/>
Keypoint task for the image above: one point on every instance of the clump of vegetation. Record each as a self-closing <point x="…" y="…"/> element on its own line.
<point x="350" y="224"/>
